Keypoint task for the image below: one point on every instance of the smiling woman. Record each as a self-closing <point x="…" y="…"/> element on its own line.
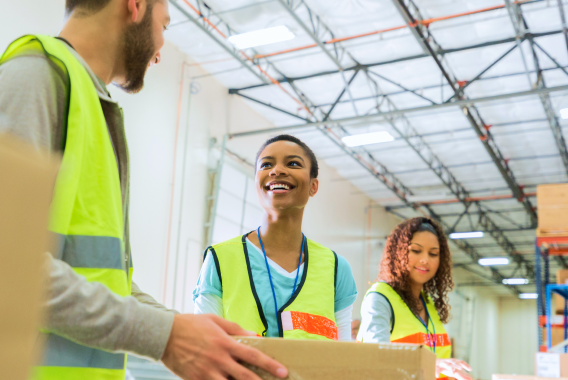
<point x="409" y="303"/>
<point x="275" y="281"/>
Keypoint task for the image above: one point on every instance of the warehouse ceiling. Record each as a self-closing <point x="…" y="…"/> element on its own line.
<point x="470" y="89"/>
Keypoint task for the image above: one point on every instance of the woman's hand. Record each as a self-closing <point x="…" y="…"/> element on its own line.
<point x="453" y="368"/>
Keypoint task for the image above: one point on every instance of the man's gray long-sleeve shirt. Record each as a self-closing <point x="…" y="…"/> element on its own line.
<point x="33" y="101"/>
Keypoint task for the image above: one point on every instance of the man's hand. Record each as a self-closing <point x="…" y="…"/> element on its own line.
<point x="453" y="368"/>
<point x="200" y="348"/>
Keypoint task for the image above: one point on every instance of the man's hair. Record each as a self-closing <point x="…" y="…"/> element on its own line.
<point x="314" y="169"/>
<point x="86" y="6"/>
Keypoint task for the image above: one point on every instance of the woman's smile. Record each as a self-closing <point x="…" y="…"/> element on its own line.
<point x="279" y="187"/>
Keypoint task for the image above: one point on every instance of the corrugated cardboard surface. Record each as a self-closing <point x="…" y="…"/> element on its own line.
<point x="562" y="279"/>
<point x="552" y="204"/>
<point x="323" y="360"/>
<point x="517" y="377"/>
<point x="557" y="335"/>
<point x="26" y="185"/>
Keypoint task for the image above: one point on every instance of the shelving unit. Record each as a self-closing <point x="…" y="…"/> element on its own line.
<point x="546" y="247"/>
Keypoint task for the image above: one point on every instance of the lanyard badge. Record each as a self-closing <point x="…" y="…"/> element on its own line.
<point x="431" y="337"/>
<point x="270" y="275"/>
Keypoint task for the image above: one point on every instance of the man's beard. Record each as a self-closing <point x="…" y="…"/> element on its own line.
<point x="138" y="49"/>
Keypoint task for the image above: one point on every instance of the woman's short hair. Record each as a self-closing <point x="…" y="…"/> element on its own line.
<point x="314" y="168"/>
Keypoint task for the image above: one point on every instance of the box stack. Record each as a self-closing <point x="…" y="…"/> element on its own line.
<point x="552" y="203"/>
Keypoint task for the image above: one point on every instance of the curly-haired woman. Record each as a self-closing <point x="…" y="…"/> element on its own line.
<point x="410" y="302"/>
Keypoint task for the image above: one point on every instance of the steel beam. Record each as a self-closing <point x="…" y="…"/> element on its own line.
<point x="366" y="160"/>
<point x="270" y="106"/>
<point x="403" y="59"/>
<point x="564" y="25"/>
<point x="470" y="112"/>
<point x="231" y="50"/>
<point x="346" y="88"/>
<point x="290" y="6"/>
<point x="521" y="28"/>
<point x="438" y="86"/>
<point x="382" y="115"/>
<point x="476" y="78"/>
<point x="421" y="148"/>
<point x="399" y="86"/>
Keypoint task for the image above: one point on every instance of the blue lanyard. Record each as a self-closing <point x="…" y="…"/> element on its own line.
<point x="426" y="326"/>
<point x="270" y="276"/>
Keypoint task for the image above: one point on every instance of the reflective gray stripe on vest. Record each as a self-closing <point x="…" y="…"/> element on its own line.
<point x="100" y="252"/>
<point x="61" y="352"/>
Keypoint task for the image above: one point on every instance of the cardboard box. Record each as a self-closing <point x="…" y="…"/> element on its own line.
<point x="325" y="360"/>
<point x="551" y="365"/>
<point x="561" y="279"/>
<point x="26" y="186"/>
<point x="552" y="204"/>
<point x="557" y="335"/>
<point x="518" y="377"/>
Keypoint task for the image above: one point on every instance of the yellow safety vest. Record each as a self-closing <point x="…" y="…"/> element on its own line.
<point x="407" y="328"/>
<point x="310" y="312"/>
<point x="86" y="212"/>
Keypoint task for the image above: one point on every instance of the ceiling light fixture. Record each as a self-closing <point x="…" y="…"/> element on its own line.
<point x="515" y="281"/>
<point x="528" y="296"/>
<point x="564" y="113"/>
<point x="261" y="37"/>
<point x="490" y="261"/>
<point x="466" y="235"/>
<point x="368" y="138"/>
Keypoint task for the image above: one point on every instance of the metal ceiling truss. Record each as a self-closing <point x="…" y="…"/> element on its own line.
<point x="422" y="149"/>
<point x="208" y="27"/>
<point x="521" y="27"/>
<point x="363" y="157"/>
<point x="405" y="129"/>
<point x="438" y="86"/>
<point x="441" y="52"/>
<point x="411" y="15"/>
<point x="381" y="116"/>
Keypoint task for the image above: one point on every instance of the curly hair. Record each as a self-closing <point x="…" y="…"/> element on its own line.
<point x="394" y="267"/>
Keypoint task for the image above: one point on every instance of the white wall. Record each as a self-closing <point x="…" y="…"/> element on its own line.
<point x="494" y="334"/>
<point x="18" y="18"/>
<point x="518" y="336"/>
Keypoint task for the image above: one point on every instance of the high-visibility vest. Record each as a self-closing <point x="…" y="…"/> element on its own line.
<point x="407" y="328"/>
<point x="86" y="213"/>
<point x="310" y="312"/>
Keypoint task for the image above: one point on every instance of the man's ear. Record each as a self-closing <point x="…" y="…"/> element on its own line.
<point x="134" y="8"/>
<point x="314" y="186"/>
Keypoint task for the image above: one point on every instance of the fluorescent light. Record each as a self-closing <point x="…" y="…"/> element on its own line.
<point x="261" y="37"/>
<point x="515" y="281"/>
<point x="489" y="261"/>
<point x="564" y="113"/>
<point x="466" y="235"/>
<point x="528" y="296"/>
<point x="368" y="138"/>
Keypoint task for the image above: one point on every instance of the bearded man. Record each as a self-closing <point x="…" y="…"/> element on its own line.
<point x="54" y="95"/>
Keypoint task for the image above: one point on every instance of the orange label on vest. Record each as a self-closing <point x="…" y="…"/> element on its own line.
<point x="310" y="323"/>
<point x="441" y="340"/>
